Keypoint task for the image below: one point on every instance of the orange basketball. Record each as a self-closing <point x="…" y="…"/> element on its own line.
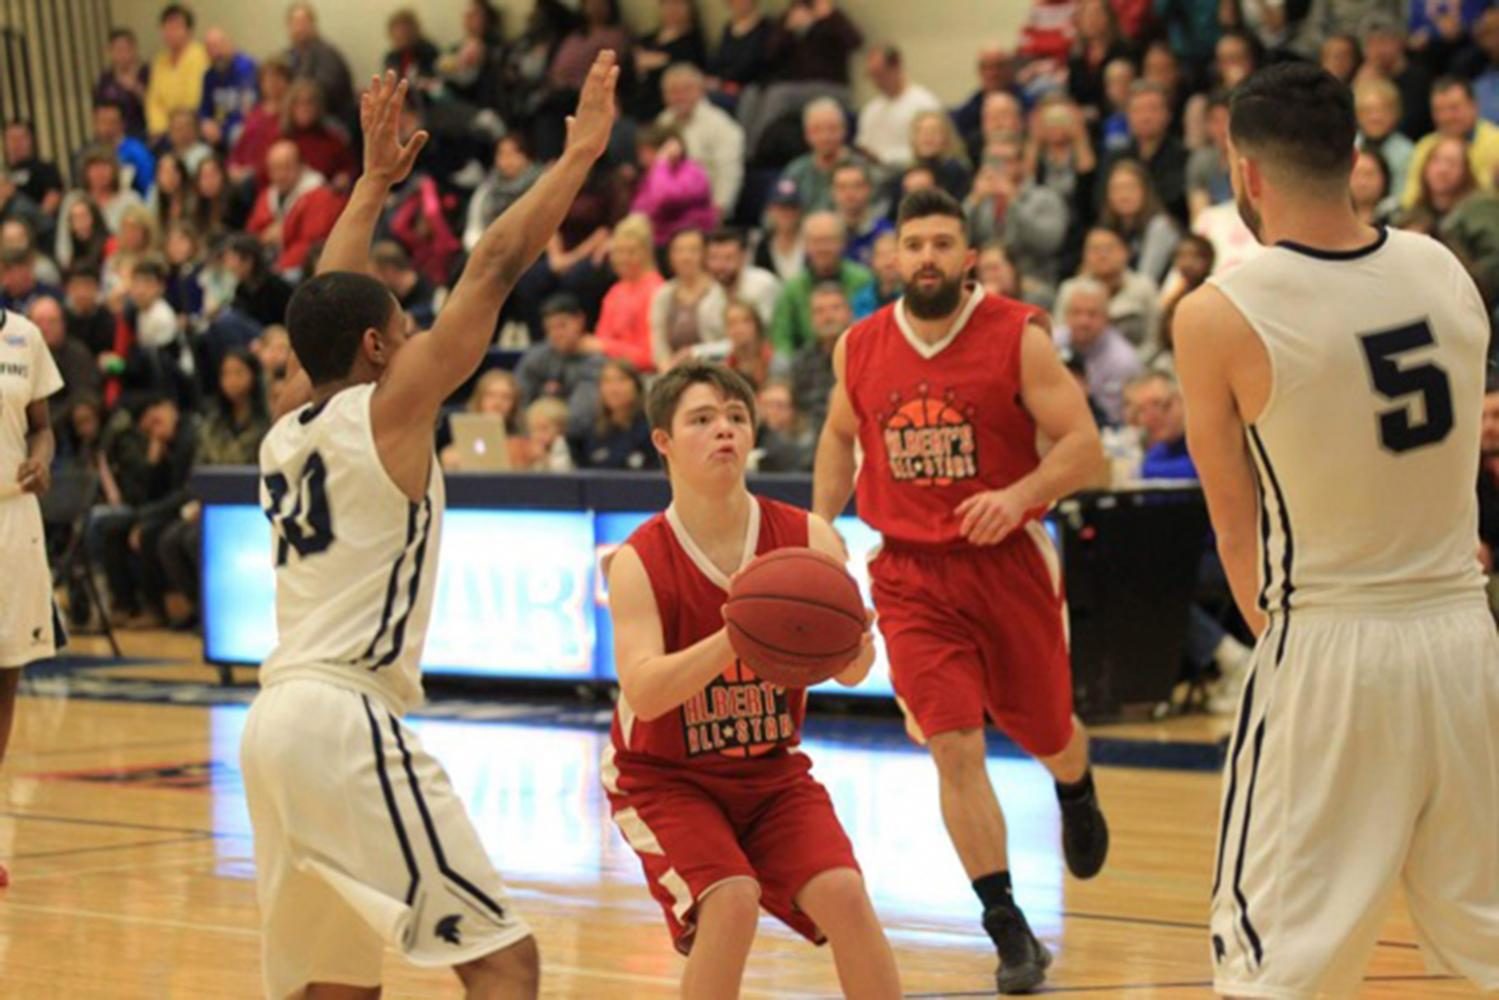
<point x="795" y="616"/>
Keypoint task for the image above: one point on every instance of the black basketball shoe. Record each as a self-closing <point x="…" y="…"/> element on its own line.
<point x="1085" y="834"/>
<point x="1022" y="959"/>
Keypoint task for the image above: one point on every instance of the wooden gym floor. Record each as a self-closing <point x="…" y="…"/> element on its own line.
<point x="123" y="822"/>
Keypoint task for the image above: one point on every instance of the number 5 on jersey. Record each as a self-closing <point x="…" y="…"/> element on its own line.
<point x="1399" y="431"/>
<point x="307" y="526"/>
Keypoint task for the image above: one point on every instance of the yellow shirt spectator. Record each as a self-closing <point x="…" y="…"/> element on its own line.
<point x="1456" y="114"/>
<point x="175" y="83"/>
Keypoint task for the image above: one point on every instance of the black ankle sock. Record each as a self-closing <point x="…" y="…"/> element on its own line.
<point x="1078" y="790"/>
<point x="994" y="890"/>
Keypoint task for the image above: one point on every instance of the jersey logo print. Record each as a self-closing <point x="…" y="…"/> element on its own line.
<point x="930" y="442"/>
<point x="447" y="929"/>
<point x="737" y="715"/>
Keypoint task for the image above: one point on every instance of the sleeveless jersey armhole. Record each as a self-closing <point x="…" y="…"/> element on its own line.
<point x="1273" y="393"/>
<point x="374" y="448"/>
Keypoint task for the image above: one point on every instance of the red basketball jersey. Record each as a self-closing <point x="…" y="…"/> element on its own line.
<point x="938" y="422"/>
<point x="737" y="716"/>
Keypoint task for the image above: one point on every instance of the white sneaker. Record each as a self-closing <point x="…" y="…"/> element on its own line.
<point x="1232" y="657"/>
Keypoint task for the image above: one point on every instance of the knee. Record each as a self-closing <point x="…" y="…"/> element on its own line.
<point x="1075" y="751"/>
<point x="837" y="896"/>
<point x="735" y="903"/>
<point x="959" y="756"/>
<point x="517" y="967"/>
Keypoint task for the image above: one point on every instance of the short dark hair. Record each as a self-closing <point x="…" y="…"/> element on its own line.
<point x="927" y="203"/>
<point x="562" y="304"/>
<point x="728" y="234"/>
<point x="667" y="391"/>
<point x="246" y="246"/>
<point x="851" y="164"/>
<point x="829" y="288"/>
<point x="150" y="265"/>
<point x="1446" y="83"/>
<point x="327" y="318"/>
<point x="1204" y="246"/>
<point x="109" y="104"/>
<point x="22" y="123"/>
<point x="389" y="253"/>
<point x="82" y="270"/>
<point x="1299" y="114"/>
<point x="115" y="34"/>
<point x="655" y="136"/>
<point x="172" y="10"/>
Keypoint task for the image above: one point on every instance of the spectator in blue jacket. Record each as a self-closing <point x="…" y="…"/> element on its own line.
<point x="1153" y="405"/>
<point x="229" y="89"/>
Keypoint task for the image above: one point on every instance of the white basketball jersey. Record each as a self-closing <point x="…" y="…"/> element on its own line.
<point x="356" y="560"/>
<point x="1367" y="450"/>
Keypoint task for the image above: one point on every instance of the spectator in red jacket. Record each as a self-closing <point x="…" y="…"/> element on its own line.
<point x="296" y="210"/>
<point x="322" y="141"/>
<point x="262" y="126"/>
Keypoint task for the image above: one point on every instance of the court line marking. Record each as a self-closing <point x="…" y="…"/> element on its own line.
<point x="122" y="918"/>
<point x="110" y="747"/>
<point x="571" y="970"/>
<point x="119" y="825"/>
<point x="1186" y="925"/>
<point x="196" y="838"/>
<point x="1052" y="989"/>
<point x="549" y="969"/>
<point x="137" y="866"/>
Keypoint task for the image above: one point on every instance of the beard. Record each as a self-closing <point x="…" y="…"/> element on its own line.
<point x="1251" y="217"/>
<point x="938" y="303"/>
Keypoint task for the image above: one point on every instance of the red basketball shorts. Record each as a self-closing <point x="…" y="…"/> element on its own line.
<point x="972" y="631"/>
<point x="694" y="830"/>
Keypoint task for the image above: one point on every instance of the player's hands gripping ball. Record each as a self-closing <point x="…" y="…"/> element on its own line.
<point x="796" y="617"/>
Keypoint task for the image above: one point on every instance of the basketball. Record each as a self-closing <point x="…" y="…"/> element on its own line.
<point x="795" y="616"/>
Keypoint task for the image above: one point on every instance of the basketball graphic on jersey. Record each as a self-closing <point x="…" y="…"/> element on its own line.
<point x="737" y="715"/>
<point x="930" y="441"/>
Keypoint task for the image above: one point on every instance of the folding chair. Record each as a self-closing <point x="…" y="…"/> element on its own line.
<point x="65" y="508"/>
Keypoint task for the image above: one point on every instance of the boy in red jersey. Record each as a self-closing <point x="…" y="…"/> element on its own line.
<point x="946" y="390"/>
<point x="703" y="772"/>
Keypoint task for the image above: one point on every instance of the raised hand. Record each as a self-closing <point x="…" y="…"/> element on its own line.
<point x="386" y="158"/>
<point x="589" y="127"/>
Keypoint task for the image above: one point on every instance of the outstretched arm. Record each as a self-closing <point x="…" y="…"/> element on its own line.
<point x="387" y="162"/>
<point x="435" y="364"/>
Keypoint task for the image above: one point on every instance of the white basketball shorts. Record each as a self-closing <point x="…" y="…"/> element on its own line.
<point x="360" y="841"/>
<point x="28" y="626"/>
<point x="1365" y="755"/>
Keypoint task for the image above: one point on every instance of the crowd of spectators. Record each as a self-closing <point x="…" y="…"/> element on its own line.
<point x="743" y="213"/>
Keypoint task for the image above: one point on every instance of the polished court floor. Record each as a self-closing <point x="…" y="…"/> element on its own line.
<point x="123" y="822"/>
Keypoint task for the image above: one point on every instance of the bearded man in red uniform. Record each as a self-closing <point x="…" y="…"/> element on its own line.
<point x="946" y="390"/>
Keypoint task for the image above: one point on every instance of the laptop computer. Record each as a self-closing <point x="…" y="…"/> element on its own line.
<point x="481" y="442"/>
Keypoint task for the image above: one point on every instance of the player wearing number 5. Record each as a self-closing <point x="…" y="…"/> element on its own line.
<point x="360" y="840"/>
<point x="1334" y="391"/>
